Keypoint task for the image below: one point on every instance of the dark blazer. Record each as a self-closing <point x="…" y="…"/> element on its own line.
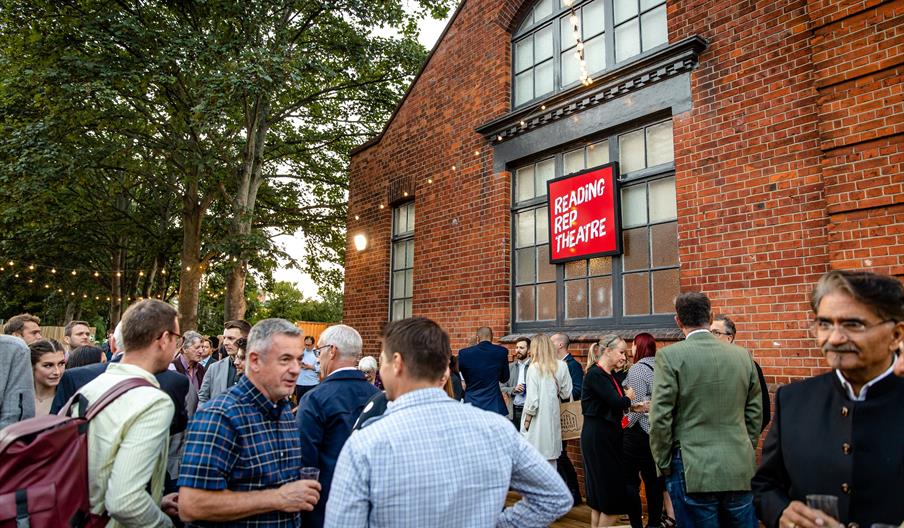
<point x="823" y="443"/>
<point x="600" y="397"/>
<point x="326" y="416"/>
<point x="577" y="376"/>
<point x="764" y="388"/>
<point x="172" y="383"/>
<point x="484" y="367"/>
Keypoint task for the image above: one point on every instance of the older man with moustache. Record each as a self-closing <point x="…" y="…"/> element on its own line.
<point x="841" y="433"/>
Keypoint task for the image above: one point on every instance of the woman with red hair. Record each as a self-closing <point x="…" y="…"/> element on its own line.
<point x="638" y="457"/>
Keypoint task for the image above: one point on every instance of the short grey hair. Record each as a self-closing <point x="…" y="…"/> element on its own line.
<point x="346" y="339"/>
<point x="261" y="335"/>
<point x="189" y="338"/>
<point x="117" y="338"/>
<point x="367" y="364"/>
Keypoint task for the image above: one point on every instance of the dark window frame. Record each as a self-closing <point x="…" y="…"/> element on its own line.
<point x="394" y="240"/>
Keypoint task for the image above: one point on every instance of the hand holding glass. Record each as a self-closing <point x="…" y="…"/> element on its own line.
<point x="827" y="504"/>
<point x="309" y="473"/>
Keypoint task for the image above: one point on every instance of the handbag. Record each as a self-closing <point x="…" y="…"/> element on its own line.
<point x="571" y="417"/>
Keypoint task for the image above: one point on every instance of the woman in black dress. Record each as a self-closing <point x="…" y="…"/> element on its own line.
<point x="604" y="404"/>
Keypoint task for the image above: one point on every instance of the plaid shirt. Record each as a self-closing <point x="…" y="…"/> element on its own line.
<point x="431" y="462"/>
<point x="242" y="441"/>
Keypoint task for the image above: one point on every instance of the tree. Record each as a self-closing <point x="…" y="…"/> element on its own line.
<point x="286" y="301"/>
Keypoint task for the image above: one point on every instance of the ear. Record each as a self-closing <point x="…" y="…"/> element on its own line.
<point x="398" y="364"/>
<point x="897" y="338"/>
<point x="678" y="322"/>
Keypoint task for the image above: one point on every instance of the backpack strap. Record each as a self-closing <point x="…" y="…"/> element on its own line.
<point x="115" y="392"/>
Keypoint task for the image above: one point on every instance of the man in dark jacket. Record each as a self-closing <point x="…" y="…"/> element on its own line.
<point x="841" y="433"/>
<point x="327" y="413"/>
<point x="484" y="366"/>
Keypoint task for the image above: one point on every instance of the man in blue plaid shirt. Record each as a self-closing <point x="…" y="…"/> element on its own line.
<point x="431" y="461"/>
<point x="242" y="451"/>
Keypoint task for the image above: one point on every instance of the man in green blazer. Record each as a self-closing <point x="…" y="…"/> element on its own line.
<point x="705" y="422"/>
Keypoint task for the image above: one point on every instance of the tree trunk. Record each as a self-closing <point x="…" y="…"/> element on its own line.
<point x="116" y="288"/>
<point x="190" y="272"/>
<point x="234" y="305"/>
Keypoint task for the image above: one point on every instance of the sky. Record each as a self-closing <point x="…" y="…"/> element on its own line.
<point x="430" y="30"/>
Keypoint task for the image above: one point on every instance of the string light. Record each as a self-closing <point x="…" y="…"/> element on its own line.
<point x="73" y="273"/>
<point x="141" y="273"/>
<point x="579" y="45"/>
<point x="357" y="217"/>
<point x="96" y="274"/>
<point x="429" y="180"/>
<point x="31" y="267"/>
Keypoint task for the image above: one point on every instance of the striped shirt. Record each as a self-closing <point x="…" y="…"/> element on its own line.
<point x="640" y="378"/>
<point x="242" y="441"/>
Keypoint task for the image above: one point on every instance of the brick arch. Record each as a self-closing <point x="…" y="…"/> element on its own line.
<point x="512" y="12"/>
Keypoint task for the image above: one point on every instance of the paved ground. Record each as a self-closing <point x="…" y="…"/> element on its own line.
<point x="577" y="518"/>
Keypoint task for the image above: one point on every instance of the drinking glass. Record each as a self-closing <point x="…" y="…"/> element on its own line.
<point x="827" y="504"/>
<point x="309" y="473"/>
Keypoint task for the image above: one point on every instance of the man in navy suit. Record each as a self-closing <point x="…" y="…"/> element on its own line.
<point x="327" y="413"/>
<point x="484" y="366"/>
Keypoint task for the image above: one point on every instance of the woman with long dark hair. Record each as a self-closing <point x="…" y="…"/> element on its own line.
<point x="48" y="362"/>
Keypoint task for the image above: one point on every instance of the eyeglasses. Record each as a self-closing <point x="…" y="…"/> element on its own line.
<point x="177" y="334"/>
<point x="847" y="327"/>
<point x="318" y="350"/>
<point x="719" y="333"/>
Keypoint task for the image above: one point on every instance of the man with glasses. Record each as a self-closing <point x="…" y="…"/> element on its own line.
<point x="841" y="433"/>
<point x="724" y="329"/>
<point x="310" y="369"/>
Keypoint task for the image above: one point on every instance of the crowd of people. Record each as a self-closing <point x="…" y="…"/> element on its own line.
<point x="263" y="426"/>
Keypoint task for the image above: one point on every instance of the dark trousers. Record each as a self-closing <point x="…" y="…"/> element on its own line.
<point x="516" y="416"/>
<point x="639" y="463"/>
<point x="566" y="471"/>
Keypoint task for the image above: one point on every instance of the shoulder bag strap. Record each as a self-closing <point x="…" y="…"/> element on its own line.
<point x="115" y="392"/>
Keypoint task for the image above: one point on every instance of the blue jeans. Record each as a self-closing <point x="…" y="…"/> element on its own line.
<point x="708" y="510"/>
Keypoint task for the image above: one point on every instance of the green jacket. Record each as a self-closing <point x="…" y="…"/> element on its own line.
<point x="706" y="400"/>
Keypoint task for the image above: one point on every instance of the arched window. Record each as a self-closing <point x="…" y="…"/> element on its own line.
<point x="545" y="46"/>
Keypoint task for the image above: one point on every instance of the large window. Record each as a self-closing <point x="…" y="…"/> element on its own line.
<point x="635" y="289"/>
<point x="545" y="51"/>
<point x="402" y="280"/>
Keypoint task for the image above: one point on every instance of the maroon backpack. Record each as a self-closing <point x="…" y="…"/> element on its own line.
<point x="44" y="467"/>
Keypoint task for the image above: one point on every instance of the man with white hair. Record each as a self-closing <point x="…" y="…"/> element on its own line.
<point x="327" y="413"/>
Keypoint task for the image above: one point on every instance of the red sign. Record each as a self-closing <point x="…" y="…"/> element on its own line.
<point x="584" y="215"/>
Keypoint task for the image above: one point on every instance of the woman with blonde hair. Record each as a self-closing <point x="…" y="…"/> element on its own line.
<point x="547" y="382"/>
<point x="604" y="404"/>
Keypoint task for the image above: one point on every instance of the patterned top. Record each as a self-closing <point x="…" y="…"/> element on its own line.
<point x="640" y="378"/>
<point x="432" y="462"/>
<point x="242" y="441"/>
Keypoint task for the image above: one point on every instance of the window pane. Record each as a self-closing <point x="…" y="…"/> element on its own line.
<point x="598" y="154"/>
<point x="659" y="144"/>
<point x="544" y="73"/>
<point x="543" y="44"/>
<point x="576" y="299"/>
<point x="647" y="4"/>
<point x="400" y="220"/>
<point x="524" y="54"/>
<point x="595" y="54"/>
<point x="543" y="9"/>
<point x="398" y="310"/>
<point x="546" y="302"/>
<point x="625" y="9"/>
<point x="575" y="269"/>
<point x="524" y="234"/>
<point x="654" y="28"/>
<point x="542" y="225"/>
<point x="546" y="170"/>
<point x="525" y="304"/>
<point x="663" y="205"/>
<point x="546" y="272"/>
<point x="524" y="184"/>
<point x="409" y="283"/>
<point x="410" y="210"/>
<point x="594" y="19"/>
<point x="528" y="21"/>
<point x="398" y="284"/>
<point x="637" y="294"/>
<point x="601" y="266"/>
<point x="398" y="255"/>
<point x="407" y="303"/>
<point x="601" y="297"/>
<point x="665" y="289"/>
<point x="566" y="31"/>
<point x="574" y="161"/>
<point x="524" y="87"/>
<point x="409" y="254"/>
<point x="634" y="205"/>
<point x="665" y="244"/>
<point x="571" y="68"/>
<point x="631" y="152"/>
<point x="637" y="249"/>
<point x="525" y="272"/>
<point x="627" y="41"/>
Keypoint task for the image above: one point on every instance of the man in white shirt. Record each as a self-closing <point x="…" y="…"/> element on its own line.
<point x="515" y="387"/>
<point x="127" y="441"/>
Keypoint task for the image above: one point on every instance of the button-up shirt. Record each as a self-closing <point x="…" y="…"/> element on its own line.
<point x="243" y="441"/>
<point x="127" y="449"/>
<point x="849" y="389"/>
<point x="430" y="461"/>
<point x="518" y="398"/>
<point x="307" y="377"/>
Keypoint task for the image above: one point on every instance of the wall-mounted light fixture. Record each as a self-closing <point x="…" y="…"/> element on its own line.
<point x="360" y="242"/>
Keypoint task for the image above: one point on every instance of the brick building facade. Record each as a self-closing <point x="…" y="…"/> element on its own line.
<point x="765" y="141"/>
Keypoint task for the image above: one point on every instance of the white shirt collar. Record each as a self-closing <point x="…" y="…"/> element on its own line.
<point x="343" y="368"/>
<point x="863" y="390"/>
<point x="697" y="331"/>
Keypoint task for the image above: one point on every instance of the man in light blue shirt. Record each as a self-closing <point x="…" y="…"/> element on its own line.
<point x="430" y="461"/>
<point x="310" y="369"/>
